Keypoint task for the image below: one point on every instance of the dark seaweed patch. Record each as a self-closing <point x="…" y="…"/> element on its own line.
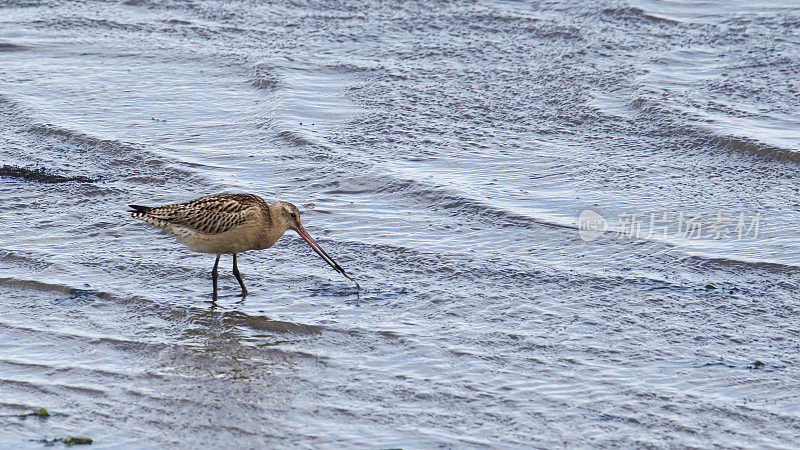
<point x="69" y="441"/>
<point x="41" y="175"/>
<point x="41" y="412"/>
<point x="755" y="365"/>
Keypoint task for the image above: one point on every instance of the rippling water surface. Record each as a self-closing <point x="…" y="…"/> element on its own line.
<point x="442" y="152"/>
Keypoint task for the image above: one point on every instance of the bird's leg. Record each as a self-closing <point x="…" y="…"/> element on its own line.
<point x="238" y="276"/>
<point x="214" y="278"/>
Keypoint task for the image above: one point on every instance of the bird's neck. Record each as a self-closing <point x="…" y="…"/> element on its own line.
<point x="272" y="228"/>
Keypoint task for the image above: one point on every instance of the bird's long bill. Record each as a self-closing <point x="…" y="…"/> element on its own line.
<point x="325" y="256"/>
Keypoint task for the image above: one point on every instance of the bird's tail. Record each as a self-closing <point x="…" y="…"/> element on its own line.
<point x="137" y="209"/>
<point x="150" y="215"/>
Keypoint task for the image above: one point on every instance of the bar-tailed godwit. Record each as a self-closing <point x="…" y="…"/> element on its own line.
<point x="230" y="223"/>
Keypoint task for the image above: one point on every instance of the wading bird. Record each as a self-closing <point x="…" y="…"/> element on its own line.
<point x="230" y="223"/>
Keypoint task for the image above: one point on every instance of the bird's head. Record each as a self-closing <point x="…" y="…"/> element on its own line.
<point x="290" y="216"/>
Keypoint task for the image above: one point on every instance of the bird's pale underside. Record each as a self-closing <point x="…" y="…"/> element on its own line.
<point x="229" y="223"/>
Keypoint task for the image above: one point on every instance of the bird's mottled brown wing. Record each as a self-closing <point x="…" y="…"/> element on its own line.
<point x="211" y="214"/>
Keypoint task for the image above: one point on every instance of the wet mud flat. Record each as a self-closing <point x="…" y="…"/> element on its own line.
<point x="443" y="154"/>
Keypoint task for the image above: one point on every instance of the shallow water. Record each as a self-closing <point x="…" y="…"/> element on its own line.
<point x="442" y="153"/>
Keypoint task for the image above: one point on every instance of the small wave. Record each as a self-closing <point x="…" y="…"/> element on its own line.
<point x="49" y="130"/>
<point x="28" y="260"/>
<point x="634" y="14"/>
<point x="443" y="198"/>
<point x="742" y="266"/>
<point x="52" y="144"/>
<point x="262" y="323"/>
<point x="555" y="32"/>
<point x="264" y="78"/>
<point x="177" y="22"/>
<point x="201" y="316"/>
<point x="53" y="287"/>
<point x="699" y="134"/>
<point x="754" y="147"/>
<point x="8" y="47"/>
<point x="295" y="139"/>
<point x="62" y="23"/>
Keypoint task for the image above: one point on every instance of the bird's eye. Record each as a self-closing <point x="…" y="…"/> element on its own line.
<point x="294" y="216"/>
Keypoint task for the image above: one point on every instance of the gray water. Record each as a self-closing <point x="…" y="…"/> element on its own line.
<point x="442" y="152"/>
